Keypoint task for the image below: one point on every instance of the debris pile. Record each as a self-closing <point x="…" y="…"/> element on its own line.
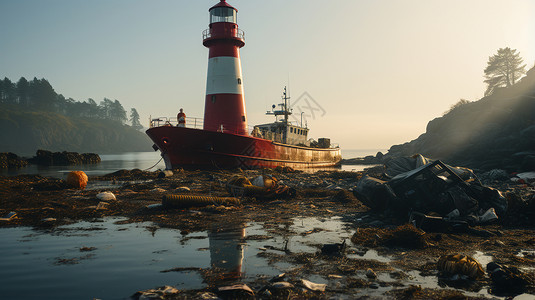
<point x="424" y="187"/>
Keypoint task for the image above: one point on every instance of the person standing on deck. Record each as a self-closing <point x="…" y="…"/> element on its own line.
<point x="181" y="117"/>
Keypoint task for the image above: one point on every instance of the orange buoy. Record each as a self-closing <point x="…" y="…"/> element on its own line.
<point x="77" y="180"/>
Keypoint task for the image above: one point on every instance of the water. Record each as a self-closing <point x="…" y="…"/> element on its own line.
<point x="126" y="258"/>
<point x="130" y="257"/>
<point x="109" y="164"/>
<point x="144" y="160"/>
<point x="354" y="153"/>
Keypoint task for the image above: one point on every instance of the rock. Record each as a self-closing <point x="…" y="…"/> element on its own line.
<point x="165" y="173"/>
<point x="48" y="158"/>
<point x="10" y="160"/>
<point x="77" y="180"/>
<point x="106" y="196"/>
<point x="371" y="274"/>
<point x="282" y="285"/>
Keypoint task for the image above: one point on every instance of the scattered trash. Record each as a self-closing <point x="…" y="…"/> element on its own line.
<point x="182" y="201"/>
<point x="284" y="169"/>
<point x="154" y="206"/>
<point x="48" y="221"/>
<point x="77" y="180"/>
<point x="277" y="278"/>
<point x="206" y="296"/>
<point x="183" y="189"/>
<point x="263" y="186"/>
<point x="526" y="176"/>
<point x="336" y="249"/>
<point x="106" y="196"/>
<point x="102" y="206"/>
<point x="9" y="216"/>
<point x="237" y="291"/>
<point x="489" y="216"/>
<point x="317" y="287"/>
<point x="157" y="293"/>
<point x="458" y="264"/>
<point x="507" y="279"/>
<point x="404" y="236"/>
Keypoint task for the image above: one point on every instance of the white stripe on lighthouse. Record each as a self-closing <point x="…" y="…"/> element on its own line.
<point x="224" y="76"/>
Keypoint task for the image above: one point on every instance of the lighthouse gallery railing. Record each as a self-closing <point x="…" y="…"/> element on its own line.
<point x="236" y="32"/>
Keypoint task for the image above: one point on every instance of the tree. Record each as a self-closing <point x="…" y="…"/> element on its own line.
<point x="134" y="118"/>
<point x="8" y="92"/>
<point x="118" y="113"/>
<point x="23" y="91"/>
<point x="503" y="69"/>
<point x="456" y="105"/>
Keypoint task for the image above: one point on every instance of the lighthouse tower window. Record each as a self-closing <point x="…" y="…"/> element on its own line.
<point x="222" y="14"/>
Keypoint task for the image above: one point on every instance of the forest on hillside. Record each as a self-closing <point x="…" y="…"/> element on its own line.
<point x="33" y="116"/>
<point x="39" y="95"/>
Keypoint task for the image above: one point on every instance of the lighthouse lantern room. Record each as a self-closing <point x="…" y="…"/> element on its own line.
<point x="224" y="109"/>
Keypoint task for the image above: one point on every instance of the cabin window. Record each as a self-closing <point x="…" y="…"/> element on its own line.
<point x="291" y="129"/>
<point x="213" y="98"/>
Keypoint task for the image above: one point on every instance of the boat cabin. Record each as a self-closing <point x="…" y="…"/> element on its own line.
<point x="282" y="131"/>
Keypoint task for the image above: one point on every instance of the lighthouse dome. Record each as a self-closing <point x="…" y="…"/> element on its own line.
<point x="222" y="12"/>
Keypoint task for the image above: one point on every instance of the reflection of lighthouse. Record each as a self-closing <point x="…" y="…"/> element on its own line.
<point x="226" y="250"/>
<point x="224" y="108"/>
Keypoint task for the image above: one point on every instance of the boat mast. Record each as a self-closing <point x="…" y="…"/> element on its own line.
<point x="286" y="98"/>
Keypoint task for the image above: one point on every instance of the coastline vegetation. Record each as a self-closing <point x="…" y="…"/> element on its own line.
<point x="33" y="116"/>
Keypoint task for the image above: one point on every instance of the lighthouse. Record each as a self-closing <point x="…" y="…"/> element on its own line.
<point x="224" y="109"/>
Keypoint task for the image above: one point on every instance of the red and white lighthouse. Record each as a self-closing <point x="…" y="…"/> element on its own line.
<point x="224" y="108"/>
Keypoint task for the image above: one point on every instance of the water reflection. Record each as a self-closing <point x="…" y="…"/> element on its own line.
<point x="227" y="245"/>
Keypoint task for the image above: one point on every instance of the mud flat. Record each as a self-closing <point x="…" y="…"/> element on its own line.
<point x="382" y="257"/>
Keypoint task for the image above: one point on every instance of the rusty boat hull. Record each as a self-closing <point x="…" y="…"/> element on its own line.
<point x="183" y="147"/>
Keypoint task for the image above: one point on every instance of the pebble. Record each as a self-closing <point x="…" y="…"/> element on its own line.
<point x="106" y="196"/>
<point x="371" y="274"/>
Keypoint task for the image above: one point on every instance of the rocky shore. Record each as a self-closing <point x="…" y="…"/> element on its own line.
<point x="137" y="195"/>
<point x="10" y="160"/>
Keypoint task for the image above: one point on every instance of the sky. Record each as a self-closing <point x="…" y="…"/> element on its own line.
<point x="367" y="74"/>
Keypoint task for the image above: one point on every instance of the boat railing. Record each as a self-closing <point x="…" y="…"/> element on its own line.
<point x="196" y="123"/>
<point x="191" y="122"/>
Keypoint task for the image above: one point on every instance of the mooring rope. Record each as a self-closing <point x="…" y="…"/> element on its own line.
<point x="154" y="164"/>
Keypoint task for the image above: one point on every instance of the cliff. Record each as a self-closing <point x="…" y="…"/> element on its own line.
<point x="498" y="131"/>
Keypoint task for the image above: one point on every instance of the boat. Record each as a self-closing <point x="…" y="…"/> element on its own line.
<point x="222" y="138"/>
